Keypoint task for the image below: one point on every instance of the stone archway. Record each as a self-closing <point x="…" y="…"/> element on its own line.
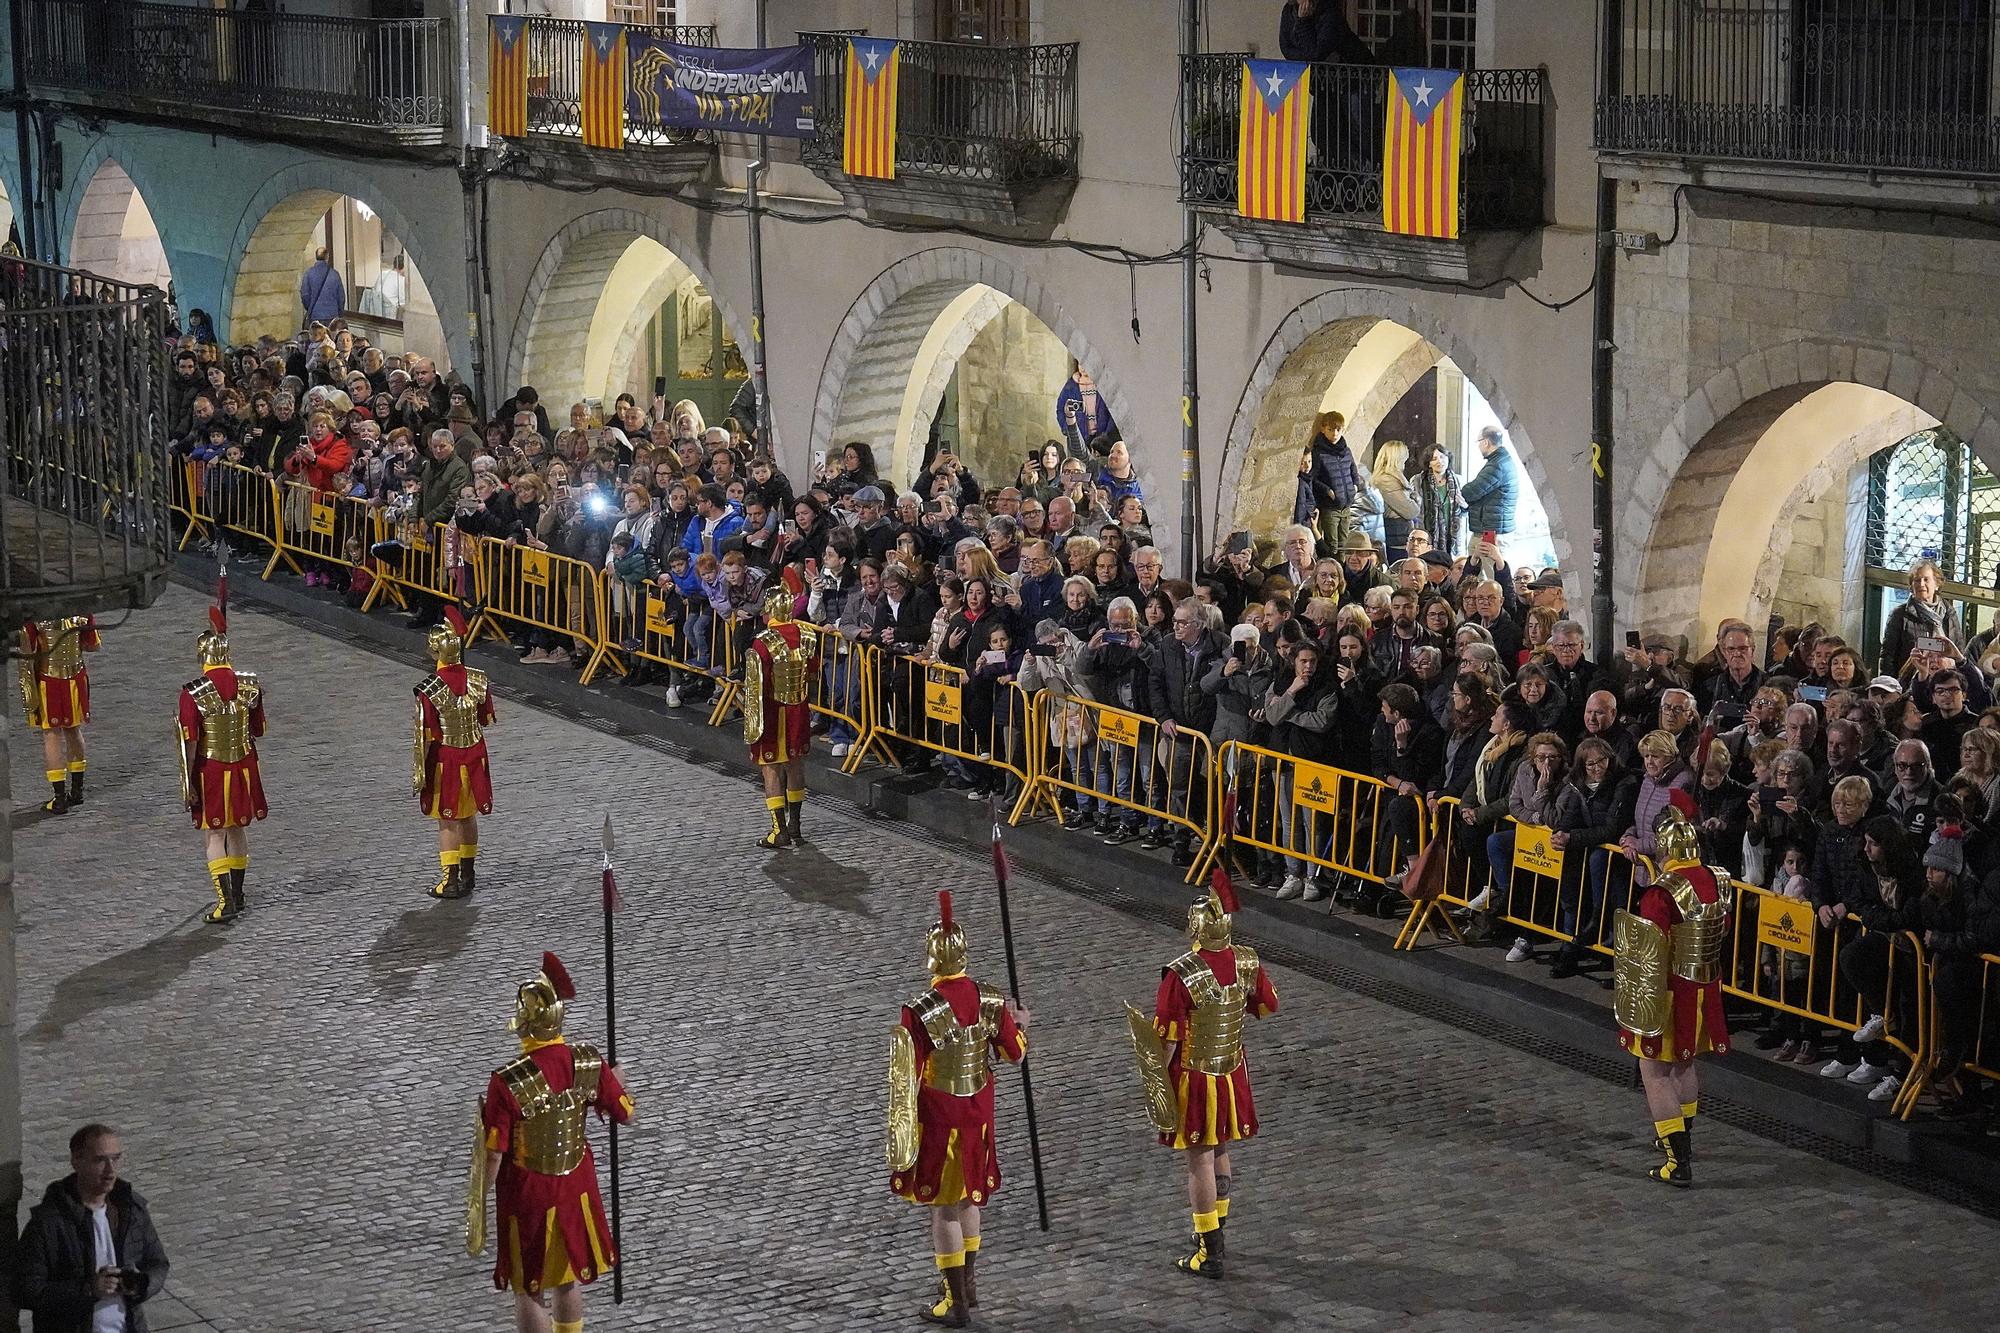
<point x="260" y="279"/>
<point x="1704" y="523"/>
<point x="115" y="234"/>
<point x="570" y="292"/>
<point x="881" y="345"/>
<point x="1290" y="379"/>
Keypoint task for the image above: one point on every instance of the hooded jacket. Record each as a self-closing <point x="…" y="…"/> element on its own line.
<point x="58" y="1256"/>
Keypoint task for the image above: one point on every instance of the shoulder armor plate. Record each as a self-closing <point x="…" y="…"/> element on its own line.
<point x="588" y="1063"/>
<point x="530" y="1087"/>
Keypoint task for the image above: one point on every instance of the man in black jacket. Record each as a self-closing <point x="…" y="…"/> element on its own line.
<point x="1407" y="754"/>
<point x="90" y="1245"/>
<point x="1173" y="688"/>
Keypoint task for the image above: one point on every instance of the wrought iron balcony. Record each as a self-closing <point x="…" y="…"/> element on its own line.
<point x="555" y="82"/>
<point x="1501" y="175"/>
<point x="317" y="75"/>
<point x="983" y="133"/>
<point x="84" y="507"/>
<point x="1832" y="84"/>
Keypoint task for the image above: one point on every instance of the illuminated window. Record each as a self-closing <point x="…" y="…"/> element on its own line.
<point x="646" y="13"/>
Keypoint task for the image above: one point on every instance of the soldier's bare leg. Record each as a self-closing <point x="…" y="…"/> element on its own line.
<point x="1222" y="1185"/>
<point x="1201" y="1172"/>
<point x="55" y="763"/>
<point x="567" y="1303"/>
<point x="1206" y="1261"/>
<point x="1663" y="1084"/>
<point x="529" y="1314"/>
<point x="968" y="1226"/>
<point x="948" y="1245"/>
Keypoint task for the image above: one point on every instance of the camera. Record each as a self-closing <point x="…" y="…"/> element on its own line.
<point x="597" y="504"/>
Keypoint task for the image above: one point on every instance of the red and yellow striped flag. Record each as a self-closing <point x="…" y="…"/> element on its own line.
<point x="507" y="76"/>
<point x="603" y="98"/>
<point x="1420" y="146"/>
<point x="868" y="145"/>
<point x="1271" y="140"/>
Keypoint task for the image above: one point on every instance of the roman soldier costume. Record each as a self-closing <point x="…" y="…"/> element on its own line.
<point x="221" y="716"/>
<point x="941" y="1150"/>
<point x="530" y="1143"/>
<point x="1668" y="996"/>
<point x="55" y="687"/>
<point x="1198" y="1094"/>
<point x="778" y="672"/>
<point x="449" y="775"/>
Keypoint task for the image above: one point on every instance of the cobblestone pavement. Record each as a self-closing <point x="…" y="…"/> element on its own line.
<point x="296" y="1091"/>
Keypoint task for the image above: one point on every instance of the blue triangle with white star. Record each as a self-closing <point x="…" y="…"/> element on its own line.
<point x="1425" y="89"/>
<point x="872" y="54"/>
<point x="1274" y="80"/>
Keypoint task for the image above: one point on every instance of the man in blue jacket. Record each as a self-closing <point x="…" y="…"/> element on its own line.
<point x="1490" y="496"/>
<point x="321" y="291"/>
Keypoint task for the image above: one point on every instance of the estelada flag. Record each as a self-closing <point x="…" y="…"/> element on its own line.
<point x="1420" y="142"/>
<point x="1271" y="140"/>
<point x="868" y="145"/>
<point x="603" y="99"/>
<point x="507" y="76"/>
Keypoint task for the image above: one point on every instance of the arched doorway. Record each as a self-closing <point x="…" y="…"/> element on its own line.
<point x="1806" y="493"/>
<point x="615" y="308"/>
<point x="955" y="349"/>
<point x="114" y="233"/>
<point x="1394" y="377"/>
<point x="384" y="296"/>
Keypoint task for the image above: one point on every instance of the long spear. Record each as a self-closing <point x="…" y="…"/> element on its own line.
<point x="611" y="1047"/>
<point x="1014" y="989"/>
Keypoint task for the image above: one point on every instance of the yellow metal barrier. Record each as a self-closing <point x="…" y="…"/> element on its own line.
<point x="186" y="498"/>
<point x="319" y="524"/>
<point x="423" y="564"/>
<point x="1131" y="762"/>
<point x="1982" y="1057"/>
<point x="936" y="707"/>
<point x="244" y="501"/>
<point x="1328" y="817"/>
<point x="643" y="622"/>
<point x="541" y="590"/>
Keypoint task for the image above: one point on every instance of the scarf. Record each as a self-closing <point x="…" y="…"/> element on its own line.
<point x="1496" y="750"/>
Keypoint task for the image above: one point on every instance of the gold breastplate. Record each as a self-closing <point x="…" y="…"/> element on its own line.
<point x="458" y="714"/>
<point x="225" y="723"/>
<point x="549" y="1139"/>
<point x="959" y="1063"/>
<point x="1214" y="1043"/>
<point x="790" y="667"/>
<point x="62" y="647"/>
<point x="1695" y="943"/>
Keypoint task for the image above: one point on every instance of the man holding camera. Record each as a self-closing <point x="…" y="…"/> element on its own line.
<point x="89" y="1257"/>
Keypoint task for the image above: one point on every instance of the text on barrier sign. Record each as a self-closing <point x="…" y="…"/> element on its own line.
<point x="943" y="703"/>
<point x="1785" y="923"/>
<point x="1534" y="853"/>
<point x="1316" y="787"/>
<point x="1118" y="728"/>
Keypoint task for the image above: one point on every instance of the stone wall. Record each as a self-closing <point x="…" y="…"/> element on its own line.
<point x="1008" y="379"/>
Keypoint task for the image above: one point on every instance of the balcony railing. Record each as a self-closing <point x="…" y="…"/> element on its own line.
<point x="555" y="81"/>
<point x="84" y="521"/>
<point x="1854" y="84"/>
<point x="1003" y="115"/>
<point x="1501" y="174"/>
<point x="388" y="74"/>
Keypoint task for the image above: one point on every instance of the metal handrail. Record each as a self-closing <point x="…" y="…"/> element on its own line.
<point x="381" y="73"/>
<point x="1842" y="84"/>
<point x="1502" y="178"/>
<point x="555" y="80"/>
<point x="86" y="499"/>
<point x="1005" y="114"/>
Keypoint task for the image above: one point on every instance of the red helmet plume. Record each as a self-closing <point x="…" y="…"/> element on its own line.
<point x="1225" y="892"/>
<point x="944" y="909"/>
<point x="456" y="619"/>
<point x="1682" y="801"/>
<point x="218" y="619"/>
<point x="558" y="976"/>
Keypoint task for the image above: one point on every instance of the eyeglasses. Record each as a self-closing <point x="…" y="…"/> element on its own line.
<point x="1902" y="767"/>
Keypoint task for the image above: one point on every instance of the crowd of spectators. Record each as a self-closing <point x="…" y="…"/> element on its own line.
<point x="1382" y="632"/>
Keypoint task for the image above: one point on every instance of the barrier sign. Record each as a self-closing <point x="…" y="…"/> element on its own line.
<point x="1534" y="853"/>
<point x="658" y="620"/>
<point x="535" y="568"/>
<point x="1785" y="923"/>
<point x="1118" y="728"/>
<point x="322" y="519"/>
<point x="944" y="703"/>
<point x="1316" y="787"/>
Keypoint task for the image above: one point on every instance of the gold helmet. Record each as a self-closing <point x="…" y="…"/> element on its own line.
<point x="538" y="1004"/>
<point x="447" y="641"/>
<point x="1675" y="837"/>
<point x="1208" y="915"/>
<point x="778" y="604"/>
<point x="213" y="645"/>
<point x="944" y="947"/>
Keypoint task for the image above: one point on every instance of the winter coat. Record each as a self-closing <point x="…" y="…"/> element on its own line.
<point x="1236" y="694"/>
<point x="1070" y="724"/>
<point x="1174" y="675"/>
<point x="1838" y="871"/>
<point x="1116" y="673"/>
<point x="322" y="293"/>
<point x="1439" y="507"/>
<point x="330" y="456"/>
<point x="1333" y="475"/>
<point x="1302" y="722"/>
<point x="1491" y="782"/>
<point x="58" y="1255"/>
<point x="1912" y="621"/>
<point x="1492" y="493"/>
<point x="1593" y="818"/>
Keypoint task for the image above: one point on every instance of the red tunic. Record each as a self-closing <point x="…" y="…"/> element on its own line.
<point x="1698" y="1020"/>
<point x="787" y="727"/>
<point x="457" y="784"/>
<point x="61" y="703"/>
<point x="552" y="1229"/>
<point x="1215" y="1108"/>
<point x="955" y="1154"/>
<point x="227" y="795"/>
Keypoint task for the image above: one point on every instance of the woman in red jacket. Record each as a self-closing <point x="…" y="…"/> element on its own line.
<point x="320" y="457"/>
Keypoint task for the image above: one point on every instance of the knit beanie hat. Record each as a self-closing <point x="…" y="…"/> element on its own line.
<point x="1947" y="851"/>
